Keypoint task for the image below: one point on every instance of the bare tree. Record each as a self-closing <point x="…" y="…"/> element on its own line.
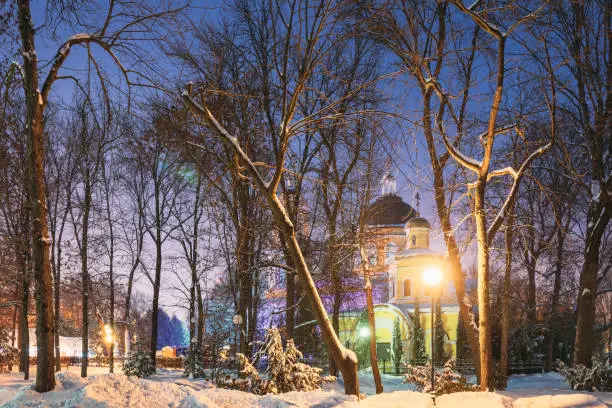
<point x="123" y="27"/>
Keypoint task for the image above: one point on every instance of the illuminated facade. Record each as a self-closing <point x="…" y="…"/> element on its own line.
<point x="399" y="252"/>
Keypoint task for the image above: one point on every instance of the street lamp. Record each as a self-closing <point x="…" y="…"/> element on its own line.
<point x="432" y="276"/>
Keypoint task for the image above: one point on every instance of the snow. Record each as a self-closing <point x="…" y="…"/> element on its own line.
<point x="595" y="191"/>
<point x="169" y="389"/>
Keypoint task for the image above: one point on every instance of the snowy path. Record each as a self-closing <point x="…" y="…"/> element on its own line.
<point x="170" y="389"/>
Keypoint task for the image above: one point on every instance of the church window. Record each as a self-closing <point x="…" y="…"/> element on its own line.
<point x="407" y="287"/>
<point x="413" y="240"/>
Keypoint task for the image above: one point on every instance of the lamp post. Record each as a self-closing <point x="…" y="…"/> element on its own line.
<point x="432" y="277"/>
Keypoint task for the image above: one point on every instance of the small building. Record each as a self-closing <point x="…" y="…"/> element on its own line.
<point x="168" y="352"/>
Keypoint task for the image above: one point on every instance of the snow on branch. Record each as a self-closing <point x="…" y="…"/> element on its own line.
<point x="492" y="29"/>
<point x="204" y="113"/>
<point x="502" y="172"/>
<point x="461" y="158"/>
<point x="518" y="175"/>
<point x="489" y="27"/>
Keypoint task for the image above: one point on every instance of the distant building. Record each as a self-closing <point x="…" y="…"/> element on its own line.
<point x="69" y="346"/>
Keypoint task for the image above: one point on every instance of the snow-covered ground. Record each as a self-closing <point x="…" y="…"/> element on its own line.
<point x="169" y="389"/>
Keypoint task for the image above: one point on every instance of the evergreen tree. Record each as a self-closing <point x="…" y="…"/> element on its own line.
<point x="8" y="354"/>
<point x="164" y="329"/>
<point x="418" y="346"/>
<point x="139" y="363"/>
<point x="171" y="331"/>
<point x="441" y="355"/>
<point x="396" y="345"/>
<point x="463" y="348"/>
<point x="179" y="332"/>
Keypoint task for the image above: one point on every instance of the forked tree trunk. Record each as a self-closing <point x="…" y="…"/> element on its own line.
<point x="41" y="265"/>
<point x="449" y="238"/>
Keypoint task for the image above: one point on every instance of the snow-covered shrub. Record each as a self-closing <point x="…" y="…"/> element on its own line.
<point x="581" y="378"/>
<point x="447" y="381"/>
<point x="285" y="372"/>
<point x="139" y="363"/>
<point x="8" y="353"/>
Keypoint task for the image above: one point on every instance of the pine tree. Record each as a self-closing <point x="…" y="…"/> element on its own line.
<point x="179" y="334"/>
<point x="194" y="363"/>
<point x="8" y="354"/>
<point x="139" y="363"/>
<point x="164" y="329"/>
<point x="396" y="345"/>
<point x="418" y="351"/>
<point x="463" y="348"/>
<point x="441" y="355"/>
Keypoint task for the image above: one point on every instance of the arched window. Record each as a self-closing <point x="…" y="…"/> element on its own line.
<point x="413" y="240"/>
<point x="407" y="287"/>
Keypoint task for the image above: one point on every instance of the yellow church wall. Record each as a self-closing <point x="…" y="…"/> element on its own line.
<point x="449" y="323"/>
<point x="384" y="328"/>
<point x="412" y="268"/>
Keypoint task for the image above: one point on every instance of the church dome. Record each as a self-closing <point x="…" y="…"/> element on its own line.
<point x="390" y="209"/>
<point x="418" y="222"/>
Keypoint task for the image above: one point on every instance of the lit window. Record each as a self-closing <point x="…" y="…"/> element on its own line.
<point x="407" y="287"/>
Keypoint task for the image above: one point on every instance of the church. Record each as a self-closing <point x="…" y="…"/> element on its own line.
<point x="399" y="253"/>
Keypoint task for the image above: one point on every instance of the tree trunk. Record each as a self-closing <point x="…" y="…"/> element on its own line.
<point x="554" y="304"/>
<point x="111" y="348"/>
<point x="24" y="335"/>
<point x="158" y="266"/>
<point x="451" y="244"/>
<point x="372" y="324"/>
<point x="155" y="311"/>
<point x="45" y="378"/>
<point x="345" y="359"/>
<point x="583" y="345"/>
<point x="289" y="305"/>
<point x="484" y="328"/>
<point x="85" y="276"/>
<point x="126" y="313"/>
<point x="505" y="329"/>
<point x="336" y="304"/>
<point x="530" y="265"/>
<point x="192" y="329"/>
<point x="200" y="324"/>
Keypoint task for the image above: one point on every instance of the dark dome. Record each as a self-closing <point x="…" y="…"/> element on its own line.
<point x="390" y="209"/>
<point x="418" y="222"/>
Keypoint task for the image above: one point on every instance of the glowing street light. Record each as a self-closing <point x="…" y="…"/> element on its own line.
<point x="432" y="276"/>
<point x="108" y="330"/>
<point x="364" y="332"/>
